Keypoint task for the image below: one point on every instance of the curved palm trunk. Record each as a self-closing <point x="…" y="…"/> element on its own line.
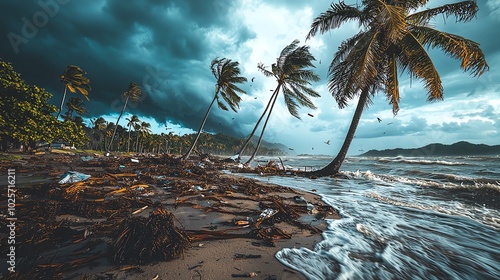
<point x="62" y="102"/>
<point x="242" y="149"/>
<point x="186" y="156"/>
<point x="116" y="126"/>
<point x="263" y="128"/>
<point x="333" y="167"/>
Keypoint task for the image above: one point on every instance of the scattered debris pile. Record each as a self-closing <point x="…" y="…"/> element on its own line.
<point x="118" y="211"/>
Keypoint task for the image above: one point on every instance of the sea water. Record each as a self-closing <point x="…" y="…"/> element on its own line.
<point x="402" y="218"/>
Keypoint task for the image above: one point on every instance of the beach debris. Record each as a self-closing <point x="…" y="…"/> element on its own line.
<point x="73" y="177"/>
<point x="299" y="199"/>
<point x="200" y="263"/>
<point x="86" y="158"/>
<point x="144" y="240"/>
<point x="247" y="256"/>
<point x="139" y="210"/>
<point x="244" y="275"/>
<point x="134" y="160"/>
<point x="242" y="223"/>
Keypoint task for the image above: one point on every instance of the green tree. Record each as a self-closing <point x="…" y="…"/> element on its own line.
<point x="294" y="80"/>
<point x="25" y="114"/>
<point x="132" y="122"/>
<point x="73" y="79"/>
<point x="133" y="94"/>
<point x="393" y="39"/>
<point x="226" y="72"/>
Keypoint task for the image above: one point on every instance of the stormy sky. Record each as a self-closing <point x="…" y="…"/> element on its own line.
<point x="166" y="47"/>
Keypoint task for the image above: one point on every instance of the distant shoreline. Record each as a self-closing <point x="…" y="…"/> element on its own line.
<point x="462" y="148"/>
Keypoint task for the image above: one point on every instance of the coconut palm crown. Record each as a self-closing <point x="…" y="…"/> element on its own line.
<point x="73" y="79"/>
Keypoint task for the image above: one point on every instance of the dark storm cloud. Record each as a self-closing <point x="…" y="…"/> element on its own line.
<point x="164" y="46"/>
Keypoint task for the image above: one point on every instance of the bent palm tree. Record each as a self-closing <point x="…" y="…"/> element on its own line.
<point x="133" y="94"/>
<point x="394" y="38"/>
<point x="293" y="79"/>
<point x="132" y="122"/>
<point x="227" y="74"/>
<point x="74" y="80"/>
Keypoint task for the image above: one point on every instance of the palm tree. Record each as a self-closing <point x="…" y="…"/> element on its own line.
<point x="145" y="129"/>
<point x="133" y="93"/>
<point x="227" y="74"/>
<point x="394" y="36"/>
<point x="99" y="125"/>
<point x="293" y="80"/>
<point x="75" y="104"/>
<point x="132" y="122"/>
<point x="73" y="79"/>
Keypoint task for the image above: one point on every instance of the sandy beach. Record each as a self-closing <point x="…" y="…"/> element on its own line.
<point x="154" y="218"/>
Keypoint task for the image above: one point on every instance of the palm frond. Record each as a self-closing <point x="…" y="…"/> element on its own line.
<point x="468" y="51"/>
<point x="333" y="18"/>
<point x="463" y="11"/>
<point x="392" y="84"/>
<point x="415" y="59"/>
<point x="285" y="53"/>
<point x="264" y="71"/>
<point x="393" y="17"/>
<point x="290" y="103"/>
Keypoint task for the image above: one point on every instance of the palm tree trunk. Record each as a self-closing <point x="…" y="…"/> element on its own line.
<point x="263" y="128"/>
<point x="62" y="102"/>
<point x="186" y="156"/>
<point x="137" y="142"/>
<point x="333" y="167"/>
<point x="242" y="149"/>
<point x="128" y="142"/>
<point x="116" y="126"/>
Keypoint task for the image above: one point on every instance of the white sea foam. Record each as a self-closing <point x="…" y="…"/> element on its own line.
<point x="422" y="161"/>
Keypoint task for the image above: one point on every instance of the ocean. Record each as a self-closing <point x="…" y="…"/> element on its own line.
<point x="402" y="218"/>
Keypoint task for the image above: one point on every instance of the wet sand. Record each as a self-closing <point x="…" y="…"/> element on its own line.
<point x="73" y="228"/>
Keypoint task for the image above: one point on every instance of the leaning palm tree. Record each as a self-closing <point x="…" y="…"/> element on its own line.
<point x="132" y="122"/>
<point x="294" y="80"/>
<point x="394" y="37"/>
<point x="133" y="94"/>
<point x="73" y="79"/>
<point x="227" y="74"/>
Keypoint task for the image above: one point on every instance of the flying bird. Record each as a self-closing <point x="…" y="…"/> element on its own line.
<point x="253" y="79"/>
<point x="327" y="142"/>
<point x="378" y="119"/>
<point x="310" y="115"/>
<point x="389" y="123"/>
<point x="290" y="149"/>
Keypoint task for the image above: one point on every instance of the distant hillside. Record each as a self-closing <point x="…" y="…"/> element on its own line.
<point x="458" y="149"/>
<point x="270" y="146"/>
